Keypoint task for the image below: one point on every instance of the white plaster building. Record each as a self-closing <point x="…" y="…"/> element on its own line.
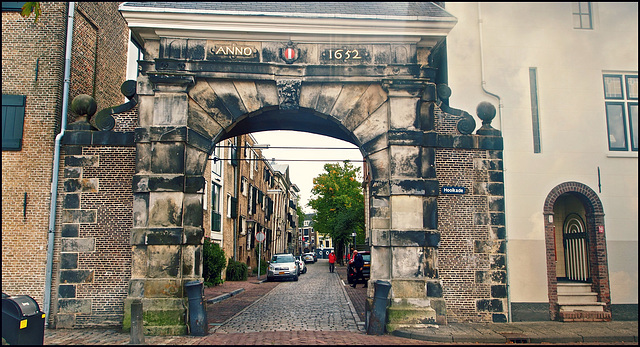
<point x="565" y="76"/>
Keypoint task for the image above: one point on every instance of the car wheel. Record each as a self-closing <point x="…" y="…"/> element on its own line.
<point x="305" y="270"/>
<point x="295" y="278"/>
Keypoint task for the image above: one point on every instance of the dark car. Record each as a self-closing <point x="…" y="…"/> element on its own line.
<point x="366" y="270"/>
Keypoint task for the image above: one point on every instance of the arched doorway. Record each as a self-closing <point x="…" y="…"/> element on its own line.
<point x="577" y="271"/>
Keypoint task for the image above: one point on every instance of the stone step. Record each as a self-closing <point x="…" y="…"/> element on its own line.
<point x="577" y="298"/>
<point x="593" y="307"/>
<point x="567" y="288"/>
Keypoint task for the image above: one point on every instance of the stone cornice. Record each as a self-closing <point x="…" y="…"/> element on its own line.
<point x="152" y="24"/>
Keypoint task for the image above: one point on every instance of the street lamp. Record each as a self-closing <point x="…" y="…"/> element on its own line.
<point x="354" y="240"/>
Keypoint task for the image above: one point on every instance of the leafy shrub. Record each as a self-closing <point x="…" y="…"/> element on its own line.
<point x="237" y="271"/>
<point x="213" y="263"/>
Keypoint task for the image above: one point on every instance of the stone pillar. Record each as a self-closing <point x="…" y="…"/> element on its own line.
<point x="167" y="233"/>
<point x="404" y="216"/>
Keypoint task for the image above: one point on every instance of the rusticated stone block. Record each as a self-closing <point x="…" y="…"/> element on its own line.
<point x="491" y="305"/>
<point x="74" y="306"/>
<point x="67" y="291"/>
<point x="430" y="213"/>
<point x="405" y="161"/>
<point x="165" y="209"/>
<point x="499" y="277"/>
<point x="409" y="288"/>
<point x="64" y="321"/>
<point x="69" y="230"/>
<point x="499" y="291"/>
<point x="76" y="276"/>
<point x="71" y="201"/>
<point x="73" y="185"/>
<point x="69" y="244"/>
<point x="162" y="288"/>
<point x="72" y="172"/>
<point x="497" y="262"/>
<point x="434" y="289"/>
<point x="165" y="183"/>
<point x="192" y="205"/>
<point x="69" y="260"/>
<point x="163" y="236"/>
<point x="167" y="158"/>
<point x="164" y="261"/>
<point x="79" y="216"/>
<point x="193" y="235"/>
<point x="170" y="108"/>
<point x="499" y="318"/>
<point x="495" y="188"/>
<point x="140" y="210"/>
<point x="497" y="218"/>
<point x="496" y="203"/>
<point x="81" y="160"/>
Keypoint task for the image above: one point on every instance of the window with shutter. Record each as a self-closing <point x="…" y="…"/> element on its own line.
<point x="12" y="121"/>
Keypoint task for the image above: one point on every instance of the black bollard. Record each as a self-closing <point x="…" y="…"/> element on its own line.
<point x="378" y="316"/>
<point x="137" y="329"/>
<point x="197" y="314"/>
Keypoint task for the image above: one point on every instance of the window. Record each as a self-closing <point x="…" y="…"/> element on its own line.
<point x="12" y="121"/>
<point x="216" y="165"/>
<point x="582" y="15"/>
<point x="535" y="112"/>
<point x="12" y="6"/>
<point x="621" y="107"/>
<point x="216" y="220"/>
<point x="243" y="186"/>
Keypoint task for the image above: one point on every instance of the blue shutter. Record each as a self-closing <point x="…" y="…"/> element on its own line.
<point x="12" y="121"/>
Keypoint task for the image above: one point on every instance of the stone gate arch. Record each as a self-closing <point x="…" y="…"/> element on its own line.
<point x="369" y="79"/>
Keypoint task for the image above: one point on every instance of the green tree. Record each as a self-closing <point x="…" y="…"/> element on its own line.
<point x="339" y="204"/>
<point x="31" y="7"/>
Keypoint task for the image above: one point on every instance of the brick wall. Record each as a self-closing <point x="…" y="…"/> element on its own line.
<point x="33" y="65"/>
<point x="26" y="45"/>
<point x="471" y="257"/>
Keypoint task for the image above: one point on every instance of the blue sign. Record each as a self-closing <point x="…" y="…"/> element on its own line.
<point x="453" y="190"/>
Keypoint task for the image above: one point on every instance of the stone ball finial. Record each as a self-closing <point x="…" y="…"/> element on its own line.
<point x="84" y="107"/>
<point x="486" y="111"/>
<point x="443" y="90"/>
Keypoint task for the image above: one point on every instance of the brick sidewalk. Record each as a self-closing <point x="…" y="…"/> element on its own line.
<point x="219" y="312"/>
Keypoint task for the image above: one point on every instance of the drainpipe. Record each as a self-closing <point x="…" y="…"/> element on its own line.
<point x="504" y="167"/>
<point x="56" y="163"/>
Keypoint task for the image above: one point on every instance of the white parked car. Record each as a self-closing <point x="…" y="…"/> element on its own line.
<point x="302" y="266"/>
<point x="283" y="266"/>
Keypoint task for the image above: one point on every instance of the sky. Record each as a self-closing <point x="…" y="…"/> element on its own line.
<point x="302" y="173"/>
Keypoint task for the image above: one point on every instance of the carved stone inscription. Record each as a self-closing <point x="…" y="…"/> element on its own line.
<point x="231" y="51"/>
<point x="348" y="55"/>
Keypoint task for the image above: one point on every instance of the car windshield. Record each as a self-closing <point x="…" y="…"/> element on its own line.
<point x="287" y="258"/>
<point x="366" y="257"/>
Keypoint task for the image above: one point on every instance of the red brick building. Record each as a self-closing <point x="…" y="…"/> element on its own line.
<point x="33" y="66"/>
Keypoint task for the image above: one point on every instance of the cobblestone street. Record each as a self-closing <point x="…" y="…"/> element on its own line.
<point x="317" y="301"/>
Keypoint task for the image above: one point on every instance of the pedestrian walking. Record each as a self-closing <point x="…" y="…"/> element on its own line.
<point x="358" y="266"/>
<point x="332" y="261"/>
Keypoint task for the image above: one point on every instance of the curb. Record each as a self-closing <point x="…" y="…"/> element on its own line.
<point x="523" y="337"/>
<point x="225" y="296"/>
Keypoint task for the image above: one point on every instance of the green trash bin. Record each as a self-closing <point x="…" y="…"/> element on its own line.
<point x="22" y="320"/>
